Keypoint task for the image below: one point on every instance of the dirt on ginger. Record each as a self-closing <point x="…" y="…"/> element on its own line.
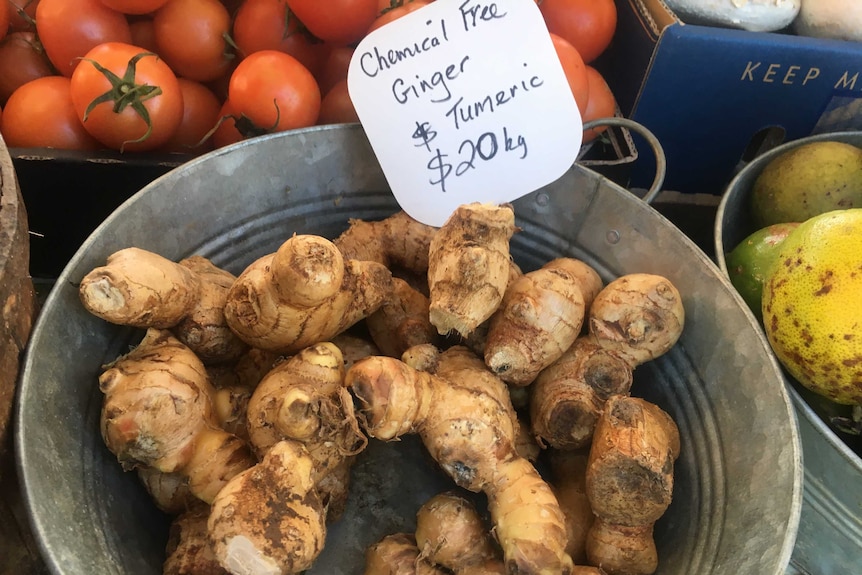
<point x="471" y="434"/>
<point x="302" y="294"/>
<point x="188" y="551"/>
<point x="629" y="483"/>
<point x="541" y="314"/>
<point x="269" y="520"/>
<point x="468" y="267"/>
<point x="157" y="411"/>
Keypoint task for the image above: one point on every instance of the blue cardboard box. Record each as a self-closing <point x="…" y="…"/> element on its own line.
<point x="714" y="97"/>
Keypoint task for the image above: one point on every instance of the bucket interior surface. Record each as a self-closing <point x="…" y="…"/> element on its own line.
<point x="738" y="479"/>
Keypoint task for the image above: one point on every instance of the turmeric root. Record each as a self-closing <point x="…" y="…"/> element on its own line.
<point x="397" y="554"/>
<point x="541" y="314"/>
<point x="140" y="288"/>
<point x="269" y="519"/>
<point x="638" y="315"/>
<point x="450" y="533"/>
<point x="568" y="396"/>
<point x="470" y="433"/>
<point x="398" y="241"/>
<point x="402" y="321"/>
<point x="629" y="482"/>
<point x="188" y="550"/>
<point x="157" y="411"/>
<point x="304" y="293"/>
<point x="568" y="479"/>
<point x="468" y="266"/>
<point x="303" y="399"/>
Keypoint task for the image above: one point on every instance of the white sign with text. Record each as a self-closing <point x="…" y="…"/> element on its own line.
<point x="465" y="101"/>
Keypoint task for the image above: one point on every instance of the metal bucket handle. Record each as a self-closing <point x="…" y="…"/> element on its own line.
<point x="658" y="151"/>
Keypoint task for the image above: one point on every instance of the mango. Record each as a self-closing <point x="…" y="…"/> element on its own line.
<point x="808" y="180"/>
<point x="748" y="262"/>
<point x="812" y="305"/>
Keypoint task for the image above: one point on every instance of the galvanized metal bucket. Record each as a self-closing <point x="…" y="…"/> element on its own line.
<point x="738" y="479"/>
<point x="829" y="541"/>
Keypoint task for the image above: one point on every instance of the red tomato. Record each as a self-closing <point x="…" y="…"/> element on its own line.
<point x="588" y="25"/>
<point x="191" y="35"/>
<point x="337" y="107"/>
<point x="68" y="29"/>
<point x="134" y="6"/>
<point x="22" y="14"/>
<point x="40" y="114"/>
<point x="144" y="34"/>
<point x="4" y="22"/>
<point x="275" y="91"/>
<point x="227" y="132"/>
<point x="124" y="128"/>
<point x="334" y="67"/>
<point x="21" y="59"/>
<point x="269" y="25"/>
<point x="602" y="103"/>
<point x="396" y="12"/>
<point x="576" y="71"/>
<point x="201" y="111"/>
<point x="339" y="21"/>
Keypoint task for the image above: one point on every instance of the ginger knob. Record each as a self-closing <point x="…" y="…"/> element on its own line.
<point x="629" y="483"/>
<point x="304" y="293"/>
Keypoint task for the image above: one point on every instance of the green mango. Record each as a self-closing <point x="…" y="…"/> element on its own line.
<point x="748" y="262"/>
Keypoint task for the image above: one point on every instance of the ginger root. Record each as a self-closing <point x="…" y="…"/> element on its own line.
<point x="397" y="554"/>
<point x="140" y="288"/>
<point x="204" y="328"/>
<point x="188" y="551"/>
<point x="169" y="491"/>
<point x="468" y="427"/>
<point x="157" y="411"/>
<point x="302" y="294"/>
<point x="398" y="242"/>
<point x="303" y="399"/>
<point x="468" y="266"/>
<point x="567" y="397"/>
<point x="638" y="315"/>
<point x="629" y="483"/>
<point x="541" y="314"/>
<point x="269" y="519"/>
<point x="402" y="321"/>
<point x="568" y="479"/>
<point x="450" y="533"/>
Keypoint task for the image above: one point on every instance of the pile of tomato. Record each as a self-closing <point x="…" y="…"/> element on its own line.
<point x="192" y="75"/>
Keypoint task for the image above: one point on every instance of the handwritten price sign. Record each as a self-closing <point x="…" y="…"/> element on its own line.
<point x="463" y="101"/>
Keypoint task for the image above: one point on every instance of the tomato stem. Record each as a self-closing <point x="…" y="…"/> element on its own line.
<point x="124" y="92"/>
